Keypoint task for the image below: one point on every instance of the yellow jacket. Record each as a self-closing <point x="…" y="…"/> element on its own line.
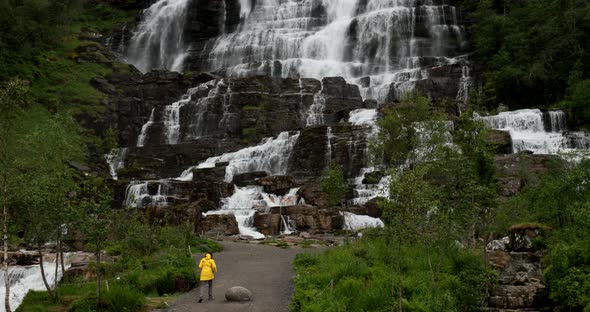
<point x="208" y="267"/>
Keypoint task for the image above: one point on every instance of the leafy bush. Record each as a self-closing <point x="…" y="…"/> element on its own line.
<point x="117" y="299"/>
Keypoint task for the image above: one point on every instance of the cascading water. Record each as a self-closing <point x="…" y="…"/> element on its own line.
<point x="365" y="192"/>
<point x="315" y="113"/>
<point x="389" y="41"/>
<point x="157" y="41"/>
<point x="244" y="203"/>
<point x="116" y="160"/>
<point x="22" y="279"/>
<point x="142" y="138"/>
<point x="541" y="133"/>
<point x="138" y="194"/>
<point x="271" y="156"/>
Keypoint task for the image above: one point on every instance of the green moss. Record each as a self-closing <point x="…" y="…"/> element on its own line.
<point x="250" y="135"/>
<point x="249" y="108"/>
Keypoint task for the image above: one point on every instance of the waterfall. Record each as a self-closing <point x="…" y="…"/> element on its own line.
<point x="157" y="41"/>
<point x="363" y="117"/>
<point x="464" y="85"/>
<point x="272" y="156"/>
<point x="315" y="113"/>
<point x="172" y="116"/>
<point x="142" y="138"/>
<point x="329" y="136"/>
<point x="24" y="278"/>
<point x="138" y="194"/>
<point x="533" y="130"/>
<point x="116" y="160"/>
<point x="244" y="203"/>
<point x="389" y="41"/>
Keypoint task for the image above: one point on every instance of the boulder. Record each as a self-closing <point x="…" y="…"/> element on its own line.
<point x="238" y="293"/>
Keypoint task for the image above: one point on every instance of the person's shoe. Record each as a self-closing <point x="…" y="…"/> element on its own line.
<point x="200" y="300"/>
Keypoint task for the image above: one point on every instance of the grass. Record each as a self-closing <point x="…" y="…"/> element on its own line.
<point x="357" y="277"/>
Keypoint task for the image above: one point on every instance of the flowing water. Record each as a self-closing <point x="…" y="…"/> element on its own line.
<point x="158" y="40"/>
<point x="353" y="222"/>
<point x="272" y="156"/>
<point x="539" y="132"/>
<point x="24" y="278"/>
<point x="390" y="41"/>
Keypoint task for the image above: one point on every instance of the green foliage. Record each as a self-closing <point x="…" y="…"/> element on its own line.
<point x="562" y="201"/>
<point x="117" y="299"/>
<point x="357" y="277"/>
<point x="577" y="99"/>
<point x="530" y="48"/>
<point x="334" y="185"/>
<point x="399" y="140"/>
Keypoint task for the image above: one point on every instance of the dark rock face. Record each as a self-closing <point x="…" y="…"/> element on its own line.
<point x="515" y="170"/>
<point x="248" y="178"/>
<point x="312" y="154"/>
<point x="219" y="225"/>
<point x="279" y="185"/>
<point x="501" y="141"/>
<point x="442" y="82"/>
<point x="520" y="285"/>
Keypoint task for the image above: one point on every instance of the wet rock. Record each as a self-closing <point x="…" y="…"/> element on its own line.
<point x="501" y="141"/>
<point x="248" y="178"/>
<point x="238" y="293"/>
<point x="219" y="225"/>
<point x="279" y="185"/>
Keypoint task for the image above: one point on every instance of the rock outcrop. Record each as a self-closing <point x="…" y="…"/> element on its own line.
<point x="520" y="280"/>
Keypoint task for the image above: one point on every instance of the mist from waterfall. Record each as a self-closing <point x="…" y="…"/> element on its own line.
<point x="158" y="40"/>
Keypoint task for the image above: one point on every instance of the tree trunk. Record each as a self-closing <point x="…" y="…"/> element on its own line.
<point x="61" y="251"/>
<point x="49" y="290"/>
<point x="97" y="275"/>
<point x="399" y="273"/>
<point x="5" y="236"/>
<point x="56" y="260"/>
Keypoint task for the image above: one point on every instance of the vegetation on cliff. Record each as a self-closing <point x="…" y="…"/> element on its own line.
<point x="534" y="53"/>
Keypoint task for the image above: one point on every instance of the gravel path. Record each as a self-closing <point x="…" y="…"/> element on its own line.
<point x="265" y="270"/>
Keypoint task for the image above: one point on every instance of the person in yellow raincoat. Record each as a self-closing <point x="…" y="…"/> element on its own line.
<point x="208" y="268"/>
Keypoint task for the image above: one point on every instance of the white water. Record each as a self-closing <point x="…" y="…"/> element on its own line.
<point x="389" y="41"/>
<point x="541" y="133"/>
<point x="158" y="42"/>
<point x="137" y="194"/>
<point x="244" y="203"/>
<point x="172" y="116"/>
<point x="353" y="222"/>
<point x="116" y="160"/>
<point x="363" y="117"/>
<point x="142" y="138"/>
<point x="25" y="278"/>
<point x="315" y="113"/>
<point x="272" y="156"/>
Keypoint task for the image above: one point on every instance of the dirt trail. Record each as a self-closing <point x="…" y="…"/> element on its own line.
<point x="265" y="270"/>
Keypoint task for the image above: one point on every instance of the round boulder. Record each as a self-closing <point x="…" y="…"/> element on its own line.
<point x="238" y="293"/>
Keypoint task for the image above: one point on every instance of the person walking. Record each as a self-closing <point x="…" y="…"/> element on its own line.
<point x="208" y="269"/>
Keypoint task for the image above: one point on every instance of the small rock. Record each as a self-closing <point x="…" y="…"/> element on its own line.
<point x="238" y="293"/>
<point x="305" y="235"/>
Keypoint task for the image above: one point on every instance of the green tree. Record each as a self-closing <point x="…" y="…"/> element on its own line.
<point x="13" y="100"/>
<point x="96" y="221"/>
<point x="334" y="185"/>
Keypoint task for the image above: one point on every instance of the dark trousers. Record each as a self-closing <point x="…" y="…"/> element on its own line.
<point x="202" y="285"/>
